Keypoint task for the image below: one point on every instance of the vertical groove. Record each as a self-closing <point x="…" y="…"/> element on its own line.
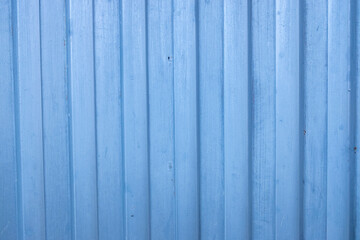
<point x="275" y="127"/>
<point x="223" y="118"/>
<point x="95" y="121"/>
<point x="173" y="115"/>
<point x="148" y="110"/>
<point x="13" y="52"/>
<point x="250" y="117"/>
<point x="173" y="130"/>
<point x="353" y="107"/>
<point x="198" y="132"/>
<point x="275" y="123"/>
<point x="122" y="98"/>
<point x="20" y="218"/>
<point x="327" y="112"/>
<point x="301" y="115"/>
<point x="354" y="127"/>
<point x="69" y="110"/>
<point x="223" y="115"/>
<point x="42" y="121"/>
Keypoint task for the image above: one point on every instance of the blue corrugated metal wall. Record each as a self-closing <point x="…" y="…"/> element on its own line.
<point x="179" y="119"/>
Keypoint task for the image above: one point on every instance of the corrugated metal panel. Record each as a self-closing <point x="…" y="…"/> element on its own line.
<point x="180" y="119"/>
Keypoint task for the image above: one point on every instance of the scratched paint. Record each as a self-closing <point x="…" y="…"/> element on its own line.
<point x="179" y="119"/>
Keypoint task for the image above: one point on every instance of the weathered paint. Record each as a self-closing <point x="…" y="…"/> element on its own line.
<point x="179" y="119"/>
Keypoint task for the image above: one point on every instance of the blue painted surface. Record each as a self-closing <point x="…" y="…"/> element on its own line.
<point x="179" y="119"/>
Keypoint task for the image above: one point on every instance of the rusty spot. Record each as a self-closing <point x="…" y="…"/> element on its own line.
<point x="304" y="132"/>
<point x="355" y="148"/>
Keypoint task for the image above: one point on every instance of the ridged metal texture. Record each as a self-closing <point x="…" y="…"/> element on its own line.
<point x="179" y="119"/>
